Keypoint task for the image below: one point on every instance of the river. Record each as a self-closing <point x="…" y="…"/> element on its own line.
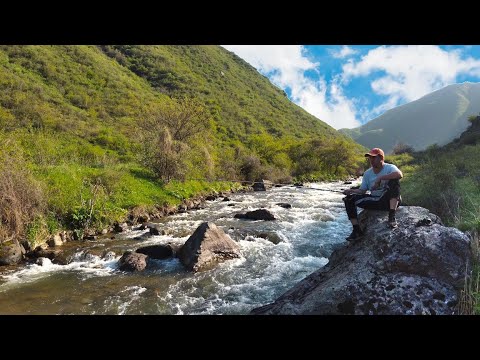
<point x="308" y="232"/>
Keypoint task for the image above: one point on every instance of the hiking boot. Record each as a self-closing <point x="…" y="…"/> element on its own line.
<point x="392" y="223"/>
<point x="355" y="235"/>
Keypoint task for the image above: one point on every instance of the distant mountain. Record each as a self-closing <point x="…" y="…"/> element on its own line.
<point x="436" y="118"/>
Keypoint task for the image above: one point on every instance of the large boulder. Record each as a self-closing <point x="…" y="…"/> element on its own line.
<point x="207" y="246"/>
<point x="418" y="268"/>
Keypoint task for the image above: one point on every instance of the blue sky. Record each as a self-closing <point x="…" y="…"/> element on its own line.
<point x="348" y="85"/>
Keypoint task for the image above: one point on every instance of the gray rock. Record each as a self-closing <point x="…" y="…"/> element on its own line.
<point x="10" y="253"/>
<point x="271" y="236"/>
<point x="259" y="214"/>
<point x="156" y="251"/>
<point x="262" y="185"/>
<point x="408" y="270"/>
<point x="55" y="240"/>
<point x="132" y="261"/>
<point x="207" y="246"/>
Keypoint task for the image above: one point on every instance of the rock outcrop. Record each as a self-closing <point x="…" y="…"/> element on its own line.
<point x="417" y="268"/>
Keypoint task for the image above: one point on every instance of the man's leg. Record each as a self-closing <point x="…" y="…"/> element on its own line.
<point x="389" y="201"/>
<point x="351" y="208"/>
<point x="394" y="200"/>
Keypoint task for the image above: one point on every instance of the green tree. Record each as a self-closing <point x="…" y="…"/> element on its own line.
<point x="168" y="138"/>
<point x="402" y="148"/>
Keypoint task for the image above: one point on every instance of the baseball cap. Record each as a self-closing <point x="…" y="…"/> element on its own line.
<point x="375" y="152"/>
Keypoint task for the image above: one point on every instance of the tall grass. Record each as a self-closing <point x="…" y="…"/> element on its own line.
<point x="21" y="196"/>
<point x="469" y="303"/>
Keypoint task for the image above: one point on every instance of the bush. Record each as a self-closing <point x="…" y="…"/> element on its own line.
<point x="21" y="197"/>
<point x="434" y="187"/>
<point x="168" y="138"/>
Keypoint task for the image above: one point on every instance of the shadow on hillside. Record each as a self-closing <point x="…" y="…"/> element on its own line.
<point x="146" y="175"/>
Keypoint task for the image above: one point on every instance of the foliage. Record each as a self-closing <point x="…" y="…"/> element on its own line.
<point x="402" y="148"/>
<point x="472" y="118"/>
<point x="21" y="196"/>
<point x="37" y="231"/>
<point x="469" y="303"/>
<point x="436" y="174"/>
<point x="167" y="137"/>
<point x="323" y="159"/>
<point x="454" y="172"/>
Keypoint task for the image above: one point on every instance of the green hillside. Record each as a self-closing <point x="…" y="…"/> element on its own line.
<point x="100" y="93"/>
<point x="446" y="179"/>
<point x="96" y="131"/>
<point x="436" y="118"/>
<point x="243" y="101"/>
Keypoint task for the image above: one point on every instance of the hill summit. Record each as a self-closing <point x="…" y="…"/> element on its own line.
<point x="436" y="118"/>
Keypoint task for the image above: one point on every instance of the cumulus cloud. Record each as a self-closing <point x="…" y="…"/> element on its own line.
<point x="396" y="74"/>
<point x="406" y="73"/>
<point x="344" y="52"/>
<point x="271" y="58"/>
<point x="286" y="65"/>
<point x="327" y="103"/>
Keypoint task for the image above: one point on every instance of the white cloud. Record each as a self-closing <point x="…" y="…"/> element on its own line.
<point x="269" y="58"/>
<point x="343" y="53"/>
<point x="409" y="72"/>
<point x="335" y="109"/>
<point x="399" y="73"/>
<point x="285" y="65"/>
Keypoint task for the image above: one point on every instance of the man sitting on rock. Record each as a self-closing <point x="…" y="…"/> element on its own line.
<point x="382" y="181"/>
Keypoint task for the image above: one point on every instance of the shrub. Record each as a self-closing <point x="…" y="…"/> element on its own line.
<point x="21" y="197"/>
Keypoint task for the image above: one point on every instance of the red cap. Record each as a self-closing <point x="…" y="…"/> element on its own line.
<point x="376" y="152"/>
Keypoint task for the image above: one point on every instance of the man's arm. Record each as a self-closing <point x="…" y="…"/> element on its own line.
<point x="362" y="189"/>
<point x="392" y="176"/>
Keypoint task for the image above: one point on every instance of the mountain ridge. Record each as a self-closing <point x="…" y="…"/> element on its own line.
<point x="436" y="118"/>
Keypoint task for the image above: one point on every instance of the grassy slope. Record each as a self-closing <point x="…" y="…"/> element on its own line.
<point x="243" y="101"/>
<point x="73" y="110"/>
